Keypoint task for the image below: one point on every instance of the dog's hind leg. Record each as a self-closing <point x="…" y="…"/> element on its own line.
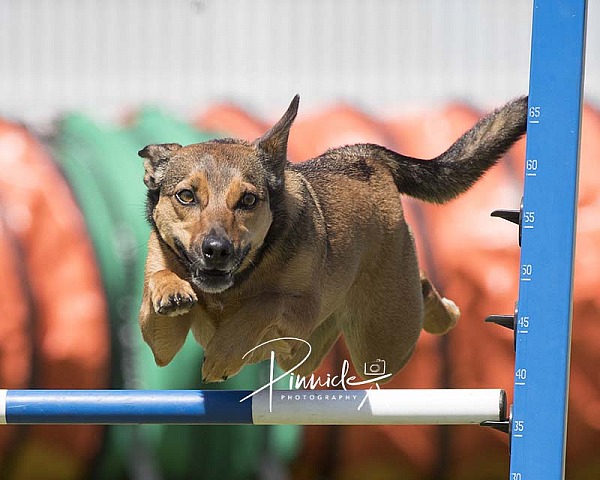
<point x="384" y="311"/>
<point x="321" y="341"/>
<point x="441" y="314"/>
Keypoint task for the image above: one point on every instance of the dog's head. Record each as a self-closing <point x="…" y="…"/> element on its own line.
<point x="211" y="202"/>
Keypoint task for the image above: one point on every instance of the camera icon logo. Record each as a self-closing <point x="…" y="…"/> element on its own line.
<point x="375" y="368"/>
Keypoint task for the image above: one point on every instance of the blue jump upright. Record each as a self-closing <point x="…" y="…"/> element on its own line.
<point x="548" y="234"/>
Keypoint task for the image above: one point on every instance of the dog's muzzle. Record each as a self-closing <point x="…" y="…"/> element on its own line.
<point x="216" y="253"/>
<point x="215" y="264"/>
<point x="212" y="281"/>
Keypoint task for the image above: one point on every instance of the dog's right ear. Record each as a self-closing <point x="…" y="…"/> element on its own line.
<point x="156" y="158"/>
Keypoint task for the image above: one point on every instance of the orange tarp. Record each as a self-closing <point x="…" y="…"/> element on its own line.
<point x="69" y="326"/>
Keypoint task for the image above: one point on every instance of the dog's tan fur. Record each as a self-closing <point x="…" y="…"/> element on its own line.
<point x="324" y="250"/>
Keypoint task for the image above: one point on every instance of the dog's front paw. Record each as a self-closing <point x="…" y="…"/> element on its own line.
<point x="176" y="304"/>
<point x="172" y="297"/>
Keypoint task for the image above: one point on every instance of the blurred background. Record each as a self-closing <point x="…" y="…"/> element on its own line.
<point x="84" y="85"/>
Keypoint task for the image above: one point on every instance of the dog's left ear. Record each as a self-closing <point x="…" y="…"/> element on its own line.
<point x="274" y="143"/>
<point x="156" y="158"/>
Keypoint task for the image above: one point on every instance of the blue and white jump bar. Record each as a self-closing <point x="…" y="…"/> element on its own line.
<point x="300" y="407"/>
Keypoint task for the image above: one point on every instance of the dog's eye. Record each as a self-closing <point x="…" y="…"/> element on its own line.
<point x="248" y="200"/>
<point x="185" y="197"/>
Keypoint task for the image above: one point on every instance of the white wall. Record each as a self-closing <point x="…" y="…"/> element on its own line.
<point x="109" y="56"/>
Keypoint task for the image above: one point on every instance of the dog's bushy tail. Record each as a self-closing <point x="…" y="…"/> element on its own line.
<point x="458" y="168"/>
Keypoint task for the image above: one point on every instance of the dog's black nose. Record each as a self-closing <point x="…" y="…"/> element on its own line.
<point x="216" y="251"/>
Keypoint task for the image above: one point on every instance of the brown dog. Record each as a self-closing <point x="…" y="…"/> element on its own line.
<point x="247" y="247"/>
